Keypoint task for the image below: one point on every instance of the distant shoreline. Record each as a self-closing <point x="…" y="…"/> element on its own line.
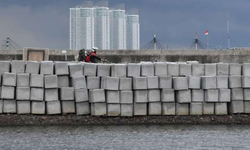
<point x="34" y="120"/>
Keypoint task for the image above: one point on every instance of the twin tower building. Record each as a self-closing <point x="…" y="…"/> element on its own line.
<point x="107" y="29"/>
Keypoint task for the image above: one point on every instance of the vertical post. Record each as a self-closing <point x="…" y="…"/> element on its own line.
<point x="155" y="42"/>
<point x="196" y="41"/>
<point x="7" y="43"/>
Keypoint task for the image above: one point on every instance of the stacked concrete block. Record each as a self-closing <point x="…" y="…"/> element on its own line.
<point x="246" y="69"/>
<point x="126" y="110"/>
<point x="173" y="69"/>
<point x="133" y="70"/>
<point x="212" y="95"/>
<point x="224" y="95"/>
<point x="180" y="83"/>
<point x="61" y="68"/>
<point x="196" y="108"/>
<point x="98" y="109"/>
<point x="147" y="69"/>
<point x="140" y="109"/>
<point x="161" y="69"/>
<point x="103" y="70"/>
<point x="63" y="81"/>
<point x="47" y="68"/>
<point x="208" y="82"/>
<point x="222" y="69"/>
<point x="68" y="107"/>
<point x="140" y="96"/>
<point x="23" y="107"/>
<point x="222" y="82"/>
<point x="36" y="94"/>
<point x="53" y="107"/>
<point x="167" y="96"/>
<point x="198" y="69"/>
<point x="140" y="83"/>
<point x="154" y="108"/>
<point x="235" y="69"/>
<point x="154" y="95"/>
<point x="79" y="82"/>
<point x="67" y="94"/>
<point x="237" y="94"/>
<point x="153" y="82"/>
<point x="210" y="69"/>
<point x="18" y="66"/>
<point x="37" y="108"/>
<point x="113" y="97"/>
<point x="97" y="96"/>
<point x="236" y="107"/>
<point x="5" y="66"/>
<point x="23" y="93"/>
<point x="183" y="96"/>
<point x="82" y="108"/>
<point x="52" y="95"/>
<point x="194" y="82"/>
<point x="246" y="107"/>
<point x="75" y="70"/>
<point x="246" y="81"/>
<point x="126" y="97"/>
<point x="23" y="80"/>
<point x="110" y="83"/>
<point x="37" y="80"/>
<point x="125" y="84"/>
<point x="208" y="108"/>
<point x="9" y="79"/>
<point x="90" y="69"/>
<point x="119" y="70"/>
<point x="81" y="95"/>
<point x="197" y="95"/>
<point x="168" y="109"/>
<point x="246" y="94"/>
<point x="235" y="81"/>
<point x="113" y="110"/>
<point x="220" y="108"/>
<point x="165" y="82"/>
<point x="185" y="69"/>
<point x="32" y="67"/>
<point x="93" y="83"/>
<point x="50" y="81"/>
<point x="9" y="106"/>
<point x="182" y="109"/>
<point x="8" y="92"/>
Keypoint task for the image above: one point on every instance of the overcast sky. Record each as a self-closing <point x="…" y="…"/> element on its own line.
<point x="45" y="23"/>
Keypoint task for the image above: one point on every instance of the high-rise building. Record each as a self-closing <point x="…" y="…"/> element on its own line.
<point x="103" y="28"/>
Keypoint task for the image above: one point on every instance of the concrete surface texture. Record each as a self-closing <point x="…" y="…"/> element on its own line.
<point x="134" y="89"/>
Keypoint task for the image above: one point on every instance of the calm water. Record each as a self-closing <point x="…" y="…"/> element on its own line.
<point x="172" y="137"/>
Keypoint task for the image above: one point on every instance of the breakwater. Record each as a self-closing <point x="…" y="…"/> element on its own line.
<point x="127" y="90"/>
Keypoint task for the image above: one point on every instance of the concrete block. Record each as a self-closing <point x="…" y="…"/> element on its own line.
<point x="246" y="81"/>
<point x="185" y="69"/>
<point x="126" y="110"/>
<point x="125" y="84"/>
<point x="237" y="94"/>
<point x="192" y="62"/>
<point x="196" y="108"/>
<point x="61" y="68"/>
<point x="52" y="95"/>
<point x="79" y="82"/>
<point x="198" y="69"/>
<point x="75" y="70"/>
<point x="93" y="83"/>
<point x="147" y="69"/>
<point x="154" y="108"/>
<point x="23" y="107"/>
<point x="110" y="83"/>
<point x="224" y="95"/>
<point x="168" y="109"/>
<point x="47" y="68"/>
<point x="17" y="66"/>
<point x="50" y="81"/>
<point x="0" y="93"/>
<point x="1" y="106"/>
<point x="173" y="69"/>
<point x="183" y="96"/>
<point x="220" y="108"/>
<point x="133" y="70"/>
<point x="140" y="83"/>
<point x="9" y="79"/>
<point x="154" y="95"/>
<point x="246" y="107"/>
<point x="126" y="97"/>
<point x="113" y="97"/>
<point x="197" y="95"/>
<point x="194" y="82"/>
<point x="90" y="69"/>
<point x="32" y="67"/>
<point x="235" y="69"/>
<point x="222" y="69"/>
<point x="140" y="109"/>
<point x="23" y="80"/>
<point x="98" y="109"/>
<point x="82" y="108"/>
<point x="53" y="108"/>
<point x="119" y="70"/>
<point x="63" y="81"/>
<point x="161" y="69"/>
<point x="5" y="66"/>
<point x="97" y="96"/>
<point x="0" y="79"/>
<point x="246" y="69"/>
<point x="114" y="110"/>
<point x="37" y="94"/>
<point x="165" y="82"/>
<point x="211" y="95"/>
<point x="210" y="69"/>
<point x="103" y="70"/>
<point x="246" y="94"/>
<point x="66" y="94"/>
<point x="23" y="93"/>
<point x="9" y="106"/>
<point x="235" y="82"/>
<point x="236" y="107"/>
<point x="8" y="92"/>
<point x="140" y="96"/>
<point x="208" y="82"/>
<point x="38" y="108"/>
<point x="81" y="95"/>
<point x="36" y="80"/>
<point x="153" y="82"/>
<point x="167" y="95"/>
<point x="208" y="108"/>
<point x="182" y="109"/>
<point x="68" y="107"/>
<point x="180" y="83"/>
<point x="222" y="82"/>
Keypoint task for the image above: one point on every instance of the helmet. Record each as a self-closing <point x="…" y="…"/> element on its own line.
<point x="94" y="49"/>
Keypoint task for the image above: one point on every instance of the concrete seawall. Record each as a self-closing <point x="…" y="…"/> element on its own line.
<point x="135" y="56"/>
